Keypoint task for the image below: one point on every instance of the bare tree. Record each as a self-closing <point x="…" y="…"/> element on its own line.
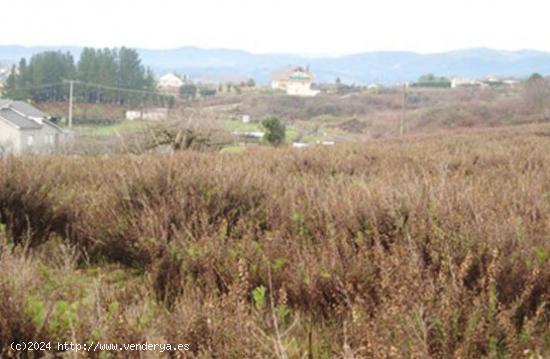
<point x="537" y="93"/>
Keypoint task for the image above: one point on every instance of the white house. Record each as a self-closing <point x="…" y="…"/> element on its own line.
<point x="295" y="81"/>
<point x="170" y="82"/>
<point x="25" y="129"/>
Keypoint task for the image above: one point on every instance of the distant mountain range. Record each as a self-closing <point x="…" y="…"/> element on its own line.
<point x="364" y="68"/>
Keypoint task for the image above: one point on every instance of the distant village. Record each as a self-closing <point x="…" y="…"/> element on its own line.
<point x="300" y="81"/>
<point x="26" y="129"/>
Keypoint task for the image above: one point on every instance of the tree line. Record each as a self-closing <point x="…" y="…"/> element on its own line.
<point x="44" y="77"/>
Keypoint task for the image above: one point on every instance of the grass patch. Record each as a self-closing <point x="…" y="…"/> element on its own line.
<point x="112" y="130"/>
<point x="237" y="125"/>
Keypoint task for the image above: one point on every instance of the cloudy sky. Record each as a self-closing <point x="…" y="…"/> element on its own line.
<point x="328" y="27"/>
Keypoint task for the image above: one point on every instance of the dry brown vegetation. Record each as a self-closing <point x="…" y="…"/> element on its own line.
<point x="378" y="114"/>
<point x="431" y="247"/>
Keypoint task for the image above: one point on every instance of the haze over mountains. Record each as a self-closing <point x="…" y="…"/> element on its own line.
<point x="363" y="68"/>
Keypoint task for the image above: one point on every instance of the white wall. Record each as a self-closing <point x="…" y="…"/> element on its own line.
<point x="43" y="140"/>
<point x="133" y="115"/>
<point x="278" y="85"/>
<point x="9" y="138"/>
<point x="300" y="89"/>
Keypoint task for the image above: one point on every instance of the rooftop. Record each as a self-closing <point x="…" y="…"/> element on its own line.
<point x="294" y="74"/>
<point x="21" y="114"/>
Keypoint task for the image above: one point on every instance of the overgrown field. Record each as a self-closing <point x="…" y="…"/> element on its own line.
<point x="429" y="247"/>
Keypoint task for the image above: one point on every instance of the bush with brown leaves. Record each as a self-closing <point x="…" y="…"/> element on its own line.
<point x="431" y="247"/>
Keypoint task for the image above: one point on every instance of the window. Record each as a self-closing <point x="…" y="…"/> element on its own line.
<point x="30" y="140"/>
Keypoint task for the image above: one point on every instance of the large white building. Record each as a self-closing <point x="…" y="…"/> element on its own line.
<point x="25" y="129"/>
<point x="170" y="82"/>
<point x="295" y="81"/>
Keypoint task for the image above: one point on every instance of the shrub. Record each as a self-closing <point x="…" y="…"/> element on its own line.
<point x="427" y="247"/>
<point x="275" y="131"/>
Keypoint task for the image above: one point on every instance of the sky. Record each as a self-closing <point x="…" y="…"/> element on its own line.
<point x="307" y="27"/>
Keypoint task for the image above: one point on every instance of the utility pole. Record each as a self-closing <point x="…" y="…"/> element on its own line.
<point x="71" y="87"/>
<point x="403" y="110"/>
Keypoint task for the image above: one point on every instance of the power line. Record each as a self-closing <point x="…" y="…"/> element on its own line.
<point x="90" y="84"/>
<point x="38" y="87"/>
<point x="174" y="98"/>
<point x="71" y="84"/>
<point x="106" y="87"/>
